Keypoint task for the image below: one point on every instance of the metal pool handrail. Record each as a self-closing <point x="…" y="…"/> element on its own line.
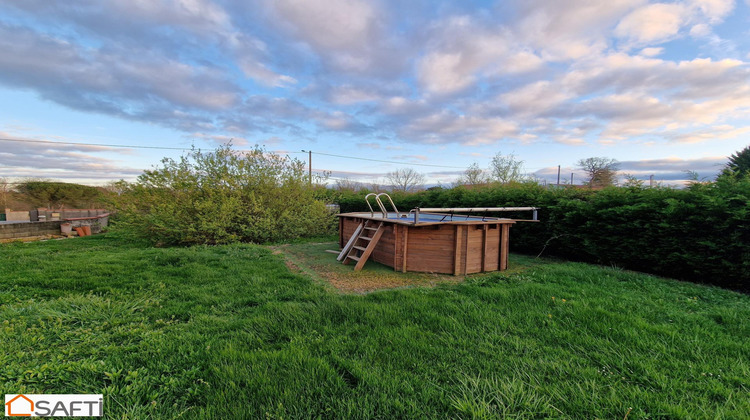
<point x="385" y="214"/>
<point x="471" y="210"/>
<point x="377" y="201"/>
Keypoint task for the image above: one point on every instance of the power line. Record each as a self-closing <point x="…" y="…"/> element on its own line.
<point x="188" y="148"/>
<point x="95" y="144"/>
<point x="389" y="161"/>
<point x="126" y="146"/>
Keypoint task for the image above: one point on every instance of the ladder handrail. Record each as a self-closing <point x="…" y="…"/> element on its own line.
<point x="372" y="213"/>
<point x="385" y="213"/>
<point x="378" y="202"/>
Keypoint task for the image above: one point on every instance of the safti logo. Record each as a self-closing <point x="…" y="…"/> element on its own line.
<point x="53" y="405"/>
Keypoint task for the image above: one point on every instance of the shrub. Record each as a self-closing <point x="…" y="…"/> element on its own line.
<point x="222" y="197"/>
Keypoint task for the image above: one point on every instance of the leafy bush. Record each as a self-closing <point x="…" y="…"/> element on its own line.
<point x="701" y="233"/>
<point x="222" y="197"/>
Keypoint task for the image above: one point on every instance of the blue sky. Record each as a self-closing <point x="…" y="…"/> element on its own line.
<point x="662" y="87"/>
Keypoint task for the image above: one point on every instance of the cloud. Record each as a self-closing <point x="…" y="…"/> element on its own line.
<point x="653" y="23"/>
<point x="618" y="97"/>
<point x="652" y="52"/>
<point x="568" y="29"/>
<point x="341" y="122"/>
<point x="660" y="22"/>
<point x="220" y="139"/>
<point x="27" y="158"/>
<point x="348" y="95"/>
<point x="449" y="127"/>
<point x="347" y="35"/>
<point x="708" y="134"/>
<point x="463" y="50"/>
<point x="343" y="25"/>
<point x="169" y="27"/>
<point x="673" y="170"/>
<point x="129" y="84"/>
<point x="534" y="98"/>
<point x="673" y="164"/>
<point x="199" y="16"/>
<point x="700" y="30"/>
<point x="441" y="72"/>
<point x="571" y="72"/>
<point x="422" y="158"/>
<point x="714" y="10"/>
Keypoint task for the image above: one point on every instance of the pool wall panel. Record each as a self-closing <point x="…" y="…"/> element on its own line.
<point x="430" y="248"/>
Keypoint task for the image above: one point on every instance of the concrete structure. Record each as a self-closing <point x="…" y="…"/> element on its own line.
<point x="10" y="230"/>
<point x="16" y="216"/>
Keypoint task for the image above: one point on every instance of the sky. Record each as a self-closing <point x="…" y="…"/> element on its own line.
<point x="372" y="86"/>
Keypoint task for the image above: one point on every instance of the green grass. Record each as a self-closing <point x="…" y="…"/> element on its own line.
<point x="230" y="332"/>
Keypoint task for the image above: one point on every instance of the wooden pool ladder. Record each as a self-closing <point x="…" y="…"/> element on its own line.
<point x="361" y="244"/>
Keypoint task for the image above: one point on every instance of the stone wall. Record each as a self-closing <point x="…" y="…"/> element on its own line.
<point x="29" y="229"/>
<point x="49" y="214"/>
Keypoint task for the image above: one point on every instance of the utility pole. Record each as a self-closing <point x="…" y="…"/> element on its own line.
<point x="309" y="165"/>
<point x="558" y="175"/>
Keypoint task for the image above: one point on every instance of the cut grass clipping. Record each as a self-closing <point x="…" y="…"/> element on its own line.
<point x="231" y="332"/>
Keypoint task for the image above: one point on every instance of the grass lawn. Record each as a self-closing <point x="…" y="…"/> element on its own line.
<point x="231" y="332"/>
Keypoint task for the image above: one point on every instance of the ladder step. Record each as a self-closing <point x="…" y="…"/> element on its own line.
<point x="359" y="248"/>
<point x="367" y="238"/>
<point x="352" y="257"/>
<point x="370" y="228"/>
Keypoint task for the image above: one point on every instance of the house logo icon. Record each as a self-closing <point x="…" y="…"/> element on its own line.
<point x="19" y="406"/>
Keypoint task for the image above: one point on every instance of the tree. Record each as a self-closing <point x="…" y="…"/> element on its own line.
<point x="473" y="175"/>
<point x="632" y="182"/>
<point x="406" y="179"/>
<point x="739" y="164"/>
<point x="4" y="194"/>
<point x="116" y="187"/>
<point x="506" y="169"/>
<point x="377" y="186"/>
<point x="602" y="171"/>
<point x="347" y="184"/>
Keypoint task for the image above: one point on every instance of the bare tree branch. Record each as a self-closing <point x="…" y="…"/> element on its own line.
<point x="406" y="179"/>
<point x="602" y="171"/>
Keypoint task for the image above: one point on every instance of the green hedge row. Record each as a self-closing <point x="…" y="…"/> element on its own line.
<point x="701" y="233"/>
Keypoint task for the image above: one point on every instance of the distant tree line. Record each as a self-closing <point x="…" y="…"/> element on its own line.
<point x="503" y="169"/>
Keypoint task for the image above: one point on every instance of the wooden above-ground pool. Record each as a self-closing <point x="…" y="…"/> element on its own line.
<point x="427" y="241"/>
